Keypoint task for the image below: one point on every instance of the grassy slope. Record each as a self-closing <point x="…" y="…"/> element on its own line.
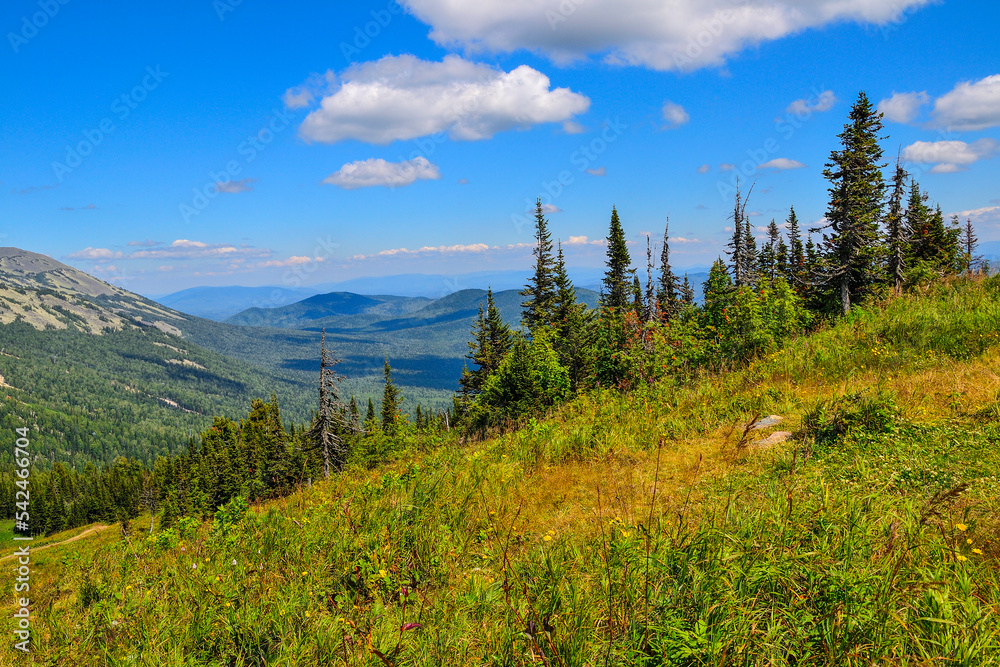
<point x="605" y="547"/>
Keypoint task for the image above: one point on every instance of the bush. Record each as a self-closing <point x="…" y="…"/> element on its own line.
<point x="859" y="413"/>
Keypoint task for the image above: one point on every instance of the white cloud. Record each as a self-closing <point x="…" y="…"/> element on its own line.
<point x="903" y="107"/>
<point x="725" y="166"/>
<point x="704" y="169"/>
<point x="94" y="253"/>
<point x="317" y="85"/>
<point x="674" y="114"/>
<point x="551" y="208"/>
<point x="373" y="172"/>
<point x="235" y="187"/>
<point x="573" y="127"/>
<point x="583" y="240"/>
<point x="291" y="261"/>
<point x="782" y="163"/>
<point x="600" y="171"/>
<point x="476" y="248"/>
<point x="803" y="107"/>
<point x="403" y="97"/>
<point x="950" y="156"/>
<point x="970" y="105"/>
<point x="676" y="35"/>
<point x="980" y="216"/>
<point x="681" y="239"/>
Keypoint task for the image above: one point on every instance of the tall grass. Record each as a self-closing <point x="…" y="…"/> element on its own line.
<point x="623" y="530"/>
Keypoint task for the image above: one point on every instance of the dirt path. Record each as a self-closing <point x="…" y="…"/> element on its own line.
<point x="86" y="533"/>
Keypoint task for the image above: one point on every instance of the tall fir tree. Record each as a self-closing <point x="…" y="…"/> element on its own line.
<point x="750" y="255"/>
<point x="370" y="416"/>
<point x="769" y="254"/>
<point x="897" y="238"/>
<point x="687" y="292"/>
<point x="797" y="273"/>
<point x="853" y="251"/>
<point x="491" y="340"/>
<point x="617" y="288"/>
<point x="392" y="399"/>
<point x="970" y="245"/>
<point x="737" y="245"/>
<point x="540" y="291"/>
<point x="638" y="303"/>
<point x="668" y="288"/>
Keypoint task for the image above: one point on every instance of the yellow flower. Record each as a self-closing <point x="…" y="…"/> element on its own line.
<point x="305" y="574"/>
<point x="381" y="573"/>
<point x="207" y="559"/>
<point x="962" y="558"/>
<point x="968" y="541"/>
<point x="978" y="552"/>
<point x="229" y="604"/>
<point x="625" y="533"/>
<point x="961" y="527"/>
<point x="308" y="614"/>
<point x="218" y="578"/>
<point x="547" y="538"/>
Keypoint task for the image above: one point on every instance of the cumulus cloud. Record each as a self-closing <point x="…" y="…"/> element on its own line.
<point x="583" y="240"/>
<point x="823" y="102"/>
<point x="674" y="114"/>
<point x="704" y="169"/>
<point x="374" y="172"/>
<point x="235" y="187"/>
<point x="903" y="107"/>
<point x="678" y="35"/>
<point x="317" y="85"/>
<point x="987" y="214"/>
<point x="782" y="163"/>
<point x="971" y="105"/>
<point x="403" y="97"/>
<point x="573" y="127"/>
<point x="950" y="156"/>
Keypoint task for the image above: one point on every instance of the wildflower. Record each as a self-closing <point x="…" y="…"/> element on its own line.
<point x="962" y="558"/>
<point x="381" y="573"/>
<point x="207" y="559"/>
<point x="978" y="552"/>
<point x="961" y="527"/>
<point x="234" y="561"/>
<point x="194" y="566"/>
<point x="968" y="541"/>
<point x="308" y="614"/>
<point x="547" y="538"/>
<point x="305" y="574"/>
<point x="218" y="578"/>
<point x="625" y="533"/>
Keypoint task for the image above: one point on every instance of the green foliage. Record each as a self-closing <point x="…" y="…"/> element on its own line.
<point x="617" y="285"/>
<point x="855" y="414"/>
<point x="529" y="380"/>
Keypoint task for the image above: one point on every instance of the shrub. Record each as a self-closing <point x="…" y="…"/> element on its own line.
<point x="832" y="420"/>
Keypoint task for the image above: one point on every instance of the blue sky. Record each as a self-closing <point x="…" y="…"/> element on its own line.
<point x="226" y="142"/>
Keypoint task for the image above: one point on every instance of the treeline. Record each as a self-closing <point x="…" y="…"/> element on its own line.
<point x="877" y="237"/>
<point x="256" y="458"/>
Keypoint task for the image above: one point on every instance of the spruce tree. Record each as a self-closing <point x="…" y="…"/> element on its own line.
<point x="687" y="292"/>
<point x="540" y="291"/>
<point x="392" y="398"/>
<point x="370" y="416"/>
<point x="638" y="304"/>
<point x="616" y="286"/>
<point x="750" y="258"/>
<point x="491" y="340"/>
<point x="769" y="254"/>
<point x="857" y="190"/>
<point x="896" y="230"/>
<point x="737" y="245"/>
<point x="970" y="243"/>
<point x="668" y="289"/>
<point x="796" y="252"/>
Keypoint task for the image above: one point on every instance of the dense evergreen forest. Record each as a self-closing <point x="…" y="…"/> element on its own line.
<point x="880" y="236"/>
